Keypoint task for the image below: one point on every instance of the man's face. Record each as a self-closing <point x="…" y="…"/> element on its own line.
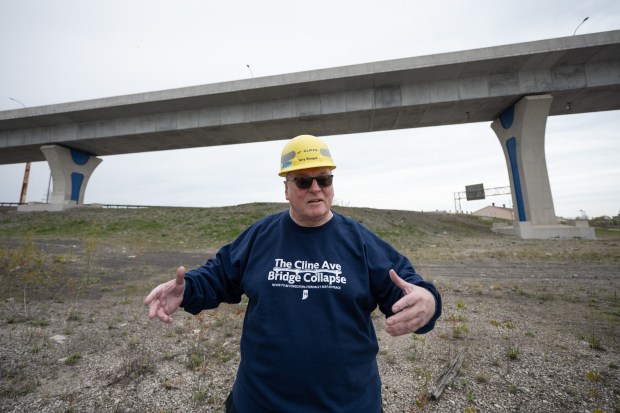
<point x="309" y="207"/>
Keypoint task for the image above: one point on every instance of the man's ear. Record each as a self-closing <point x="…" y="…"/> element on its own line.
<point x="285" y="191"/>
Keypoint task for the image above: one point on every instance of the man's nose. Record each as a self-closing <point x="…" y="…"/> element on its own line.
<point x="315" y="186"/>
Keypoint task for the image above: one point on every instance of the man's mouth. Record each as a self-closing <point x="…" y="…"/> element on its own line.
<point x="314" y="201"/>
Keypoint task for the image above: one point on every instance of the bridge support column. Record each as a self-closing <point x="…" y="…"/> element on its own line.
<point x="521" y="132"/>
<point x="71" y="169"/>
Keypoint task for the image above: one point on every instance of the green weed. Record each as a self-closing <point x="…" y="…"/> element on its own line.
<point x="136" y="364"/>
<point x="201" y="394"/>
<point x="14" y="383"/>
<point x="39" y="323"/>
<point x="513" y="353"/>
<point x="593" y="376"/>
<point x="482" y="379"/>
<point x="503" y="324"/>
<point x="73" y="359"/>
<point x="594" y="343"/>
<point x="74" y="316"/>
<point x="460" y="332"/>
<point x="195" y="358"/>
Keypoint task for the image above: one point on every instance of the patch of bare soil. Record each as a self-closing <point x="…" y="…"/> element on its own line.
<point x="537" y="336"/>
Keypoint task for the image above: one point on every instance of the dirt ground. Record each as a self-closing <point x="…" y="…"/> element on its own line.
<point x="537" y="335"/>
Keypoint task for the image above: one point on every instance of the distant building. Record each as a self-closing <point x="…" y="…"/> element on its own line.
<point x="493" y="211"/>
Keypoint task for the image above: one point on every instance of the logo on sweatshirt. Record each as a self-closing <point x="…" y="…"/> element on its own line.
<point x="306" y="275"/>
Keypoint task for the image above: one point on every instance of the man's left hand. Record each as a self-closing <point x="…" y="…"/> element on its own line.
<point x="411" y="312"/>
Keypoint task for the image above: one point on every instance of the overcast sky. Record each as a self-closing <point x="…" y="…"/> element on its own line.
<point x="62" y="51"/>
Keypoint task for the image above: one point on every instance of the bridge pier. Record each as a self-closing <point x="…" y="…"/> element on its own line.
<point x="71" y="169"/>
<point x="521" y="132"/>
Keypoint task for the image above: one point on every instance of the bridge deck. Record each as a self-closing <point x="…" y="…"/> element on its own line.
<point x="582" y="73"/>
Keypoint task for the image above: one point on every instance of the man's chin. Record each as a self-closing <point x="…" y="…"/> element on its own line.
<point x="314" y="214"/>
<point x="317" y="209"/>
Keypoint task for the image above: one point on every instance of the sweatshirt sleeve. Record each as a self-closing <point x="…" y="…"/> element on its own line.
<point x="219" y="279"/>
<point x="382" y="257"/>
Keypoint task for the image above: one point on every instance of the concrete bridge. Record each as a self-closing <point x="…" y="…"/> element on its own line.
<point x="515" y="87"/>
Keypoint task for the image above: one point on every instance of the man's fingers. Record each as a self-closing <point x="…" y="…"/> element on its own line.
<point x="165" y="298"/>
<point x="161" y="314"/>
<point x="402" y="328"/>
<point x="179" y="279"/>
<point x="149" y="298"/>
<point x="400" y="283"/>
<point x="180" y="275"/>
<point x="407" y="321"/>
<point x="405" y="316"/>
<point x="406" y="288"/>
<point x="396" y="279"/>
<point x="152" y="311"/>
<point x="412" y="311"/>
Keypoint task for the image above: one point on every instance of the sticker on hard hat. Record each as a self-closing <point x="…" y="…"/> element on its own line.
<point x="287" y="157"/>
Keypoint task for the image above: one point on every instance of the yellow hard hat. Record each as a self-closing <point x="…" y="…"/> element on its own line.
<point x="303" y="152"/>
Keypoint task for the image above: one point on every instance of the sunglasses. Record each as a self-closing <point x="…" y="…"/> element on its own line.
<point x="305" y="182"/>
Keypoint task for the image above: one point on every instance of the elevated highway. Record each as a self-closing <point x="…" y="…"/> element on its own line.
<point x="581" y="73"/>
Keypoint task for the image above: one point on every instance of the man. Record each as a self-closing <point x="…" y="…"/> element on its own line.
<point x="313" y="277"/>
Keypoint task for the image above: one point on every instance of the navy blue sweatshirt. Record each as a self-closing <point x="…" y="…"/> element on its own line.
<point x="308" y="343"/>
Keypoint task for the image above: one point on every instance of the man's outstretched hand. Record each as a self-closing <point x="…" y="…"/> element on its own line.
<point x="411" y="312"/>
<point x="166" y="298"/>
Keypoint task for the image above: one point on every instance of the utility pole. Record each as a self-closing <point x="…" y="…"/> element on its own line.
<point x="22" y="197"/>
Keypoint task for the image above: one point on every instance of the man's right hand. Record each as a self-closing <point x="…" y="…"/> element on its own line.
<point x="166" y="298"/>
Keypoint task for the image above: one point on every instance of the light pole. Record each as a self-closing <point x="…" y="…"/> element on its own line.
<point x="584" y="20"/>
<point x="15" y="100"/>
